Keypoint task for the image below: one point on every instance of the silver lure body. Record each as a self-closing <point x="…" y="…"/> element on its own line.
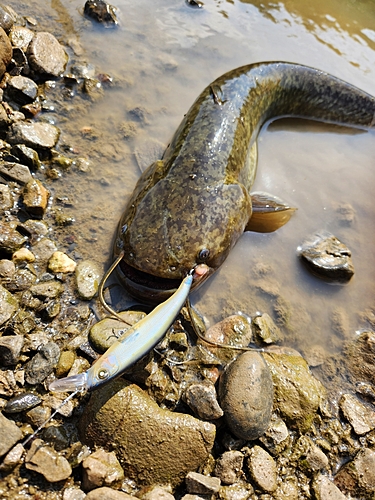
<point x="130" y="347"/>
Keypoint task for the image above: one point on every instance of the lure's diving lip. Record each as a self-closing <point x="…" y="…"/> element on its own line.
<point x="151" y="288"/>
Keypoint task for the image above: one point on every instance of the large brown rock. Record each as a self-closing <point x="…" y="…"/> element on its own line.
<point x="5" y="51"/>
<point x="153" y="445"/>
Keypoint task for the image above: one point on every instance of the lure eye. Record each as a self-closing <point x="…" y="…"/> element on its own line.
<point x="103" y="374"/>
<point x="203" y="254"/>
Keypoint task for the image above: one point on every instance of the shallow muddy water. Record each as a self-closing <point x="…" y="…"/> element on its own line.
<point x="160" y="59"/>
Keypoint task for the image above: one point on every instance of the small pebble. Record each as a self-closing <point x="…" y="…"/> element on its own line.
<point x="23" y="255"/>
<point x="46" y="461"/>
<point x="262" y="468"/>
<point x="201" y="484"/>
<point x="9" y="434"/>
<point x="101" y="468"/>
<point x="106" y="493"/>
<point x="202" y="400"/>
<point x="61" y="263"/>
<point x="42" y="364"/>
<point x="88" y="275"/>
<point x="10" y="349"/>
<point x="35" y="198"/>
<point x="229" y="466"/>
<point x="22" y="402"/>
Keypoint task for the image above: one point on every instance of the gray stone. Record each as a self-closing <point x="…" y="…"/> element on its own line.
<point x="44" y="249"/>
<point x="246" y="395"/>
<point x="6" y="198"/>
<point x="325" y="489"/>
<point x="42" y="364"/>
<point x="229" y="466"/>
<point x="266" y="330"/>
<point x="21" y="37"/>
<point x="360" y="417"/>
<point x="9" y="434"/>
<point x="201" y="484"/>
<point x="7" y="269"/>
<point x="39" y="135"/>
<point x="12" y="459"/>
<point x="106" y="493"/>
<point x="22" y="402"/>
<point x="88" y="275"/>
<point x="10" y="239"/>
<point x="203" y="401"/>
<point x="262" y="468"/>
<point x="46" y="461"/>
<point x="22" y="90"/>
<point x="8" y="305"/>
<point x="46" y="55"/>
<point x="276" y="438"/>
<point x="10" y="349"/>
<point x="153" y="445"/>
<point x="47" y="289"/>
<point x="5" y="51"/>
<point x="27" y="156"/>
<point x="15" y="172"/>
<point x="101" y="468"/>
<point x="149" y="151"/>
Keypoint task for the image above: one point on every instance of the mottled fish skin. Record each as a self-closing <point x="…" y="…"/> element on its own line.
<point x="197" y="196"/>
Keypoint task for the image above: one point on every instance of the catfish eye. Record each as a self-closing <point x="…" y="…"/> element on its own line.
<point x="203" y="254"/>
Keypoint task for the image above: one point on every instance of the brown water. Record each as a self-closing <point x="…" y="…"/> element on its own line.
<point x="161" y="58"/>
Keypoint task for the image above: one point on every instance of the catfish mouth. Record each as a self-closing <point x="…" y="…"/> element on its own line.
<point x="148" y="287"/>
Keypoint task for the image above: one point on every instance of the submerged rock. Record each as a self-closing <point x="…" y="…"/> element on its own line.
<point x="327" y="257"/>
<point x="153" y="445"/>
<point x="102" y="12"/>
<point x="246" y="395"/>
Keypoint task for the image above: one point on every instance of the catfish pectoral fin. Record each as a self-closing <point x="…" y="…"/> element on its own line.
<point x="269" y="213"/>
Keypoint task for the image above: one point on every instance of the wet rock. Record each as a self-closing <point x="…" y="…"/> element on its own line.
<point x="35" y="198"/>
<point x="7" y="269"/>
<point x="105" y="332"/>
<point x="5" y="51"/>
<point x="23" y="280"/>
<point x="107" y="494"/>
<point x="65" y="363"/>
<point x="57" y="436"/>
<point x="21" y="37"/>
<point x="6" y="198"/>
<point x="358" y="476"/>
<point x="102" y="12"/>
<point x="203" y="401"/>
<point x="46" y="461"/>
<point x="73" y="494"/>
<point x="153" y="445"/>
<point x="201" y="484"/>
<point x="35" y="229"/>
<point x="88" y="276"/>
<point x="10" y="239"/>
<point x="265" y="329"/>
<point x="39" y="135"/>
<point x="47" y="290"/>
<point x="360" y="417"/>
<point x="9" y="434"/>
<point x="7" y="19"/>
<point x="44" y="249"/>
<point x="22" y="90"/>
<point x="229" y="466"/>
<point x="246" y="395"/>
<point x="22" y="402"/>
<point x="360" y="357"/>
<point x="46" y="55"/>
<point x="18" y="65"/>
<point x="23" y="255"/>
<point x="13" y="458"/>
<point x="158" y="493"/>
<point x="297" y="392"/>
<point x="8" y="305"/>
<point x="101" y="469"/>
<point x="276" y="438"/>
<point x="7" y="383"/>
<point x="262" y="468"/>
<point x="195" y="4"/>
<point x="310" y="457"/>
<point x="42" y="364"/>
<point x="324" y="488"/>
<point x="15" y="172"/>
<point x="327" y="257"/>
<point x="93" y="88"/>
<point x="10" y="348"/>
<point x="61" y="263"/>
<point x="38" y="415"/>
<point x="27" y="156"/>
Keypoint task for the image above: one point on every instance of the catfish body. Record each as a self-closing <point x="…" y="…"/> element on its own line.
<point x="193" y="205"/>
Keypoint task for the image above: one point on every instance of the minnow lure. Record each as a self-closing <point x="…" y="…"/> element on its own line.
<point x="130" y="347"/>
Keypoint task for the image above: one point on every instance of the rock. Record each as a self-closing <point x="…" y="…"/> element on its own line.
<point x="22" y="89"/>
<point x="310" y="457"/>
<point x="42" y="364"/>
<point x="65" y="363"/>
<point x="202" y="400"/>
<point x="9" y="434"/>
<point x="297" y="392"/>
<point x="327" y="257"/>
<point x="10" y="239"/>
<point x="101" y="469"/>
<point x="8" y="305"/>
<point x="316" y="459"/>
<point x="229" y="466"/>
<point x="44" y="249"/>
<point x="88" y="276"/>
<point x="21" y="37"/>
<point x="61" y="263"/>
<point x="38" y="135"/>
<point x="105" y="332"/>
<point x="12" y="459"/>
<point x="106" y="493"/>
<point x="7" y="269"/>
<point x="46" y="55"/>
<point x="153" y="445"/>
<point x="360" y="417"/>
<point x="102" y="12"/>
<point x="38" y="415"/>
<point x="35" y="198"/>
<point x="74" y="494"/>
<point x="15" y="172"/>
<point x="201" y="484"/>
<point x="6" y="18"/>
<point x="325" y="489"/>
<point x="23" y="255"/>
<point x="358" y="476"/>
<point x="246" y="395"/>
<point x="22" y="402"/>
<point x="46" y="461"/>
<point x="5" y="51"/>
<point x="47" y="289"/>
<point x="360" y="357"/>
<point x="276" y="438"/>
<point x="262" y="468"/>
<point x="150" y="151"/>
<point x="7" y="383"/>
<point x="234" y="330"/>
<point x="27" y="156"/>
<point x="10" y="348"/>
<point x="265" y="329"/>
<point x="158" y="493"/>
<point x="6" y="198"/>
